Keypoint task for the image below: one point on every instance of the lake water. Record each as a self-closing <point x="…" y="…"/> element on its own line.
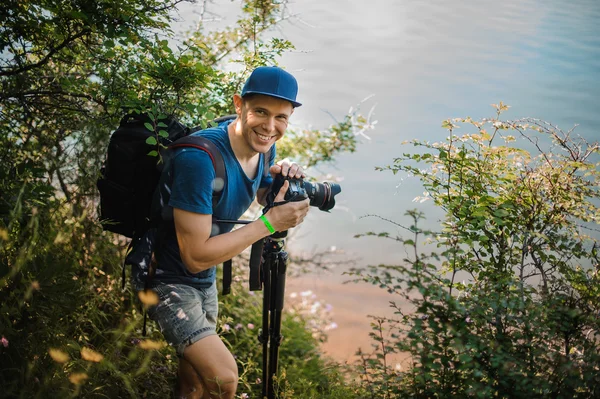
<point x="422" y="62"/>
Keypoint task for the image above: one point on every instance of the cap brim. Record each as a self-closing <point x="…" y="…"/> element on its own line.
<point x="295" y="104"/>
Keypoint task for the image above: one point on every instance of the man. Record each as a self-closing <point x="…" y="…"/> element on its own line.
<point x="186" y="258"/>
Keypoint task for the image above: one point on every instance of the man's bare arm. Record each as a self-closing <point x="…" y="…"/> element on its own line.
<point x="199" y="250"/>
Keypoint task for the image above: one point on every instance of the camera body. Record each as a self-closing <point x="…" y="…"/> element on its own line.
<point x="321" y="195"/>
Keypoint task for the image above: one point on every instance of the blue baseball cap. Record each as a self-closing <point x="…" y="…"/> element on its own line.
<point x="272" y="81"/>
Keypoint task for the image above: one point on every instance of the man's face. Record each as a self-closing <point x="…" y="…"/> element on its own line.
<point x="264" y="120"/>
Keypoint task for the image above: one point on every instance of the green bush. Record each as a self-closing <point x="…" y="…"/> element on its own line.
<point x="508" y="306"/>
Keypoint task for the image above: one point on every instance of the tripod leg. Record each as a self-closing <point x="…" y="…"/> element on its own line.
<point x="277" y="298"/>
<point x="264" y="334"/>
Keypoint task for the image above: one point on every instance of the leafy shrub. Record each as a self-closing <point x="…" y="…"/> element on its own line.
<point x="509" y="306"/>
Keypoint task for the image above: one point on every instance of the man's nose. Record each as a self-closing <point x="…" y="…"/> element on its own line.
<point x="269" y="124"/>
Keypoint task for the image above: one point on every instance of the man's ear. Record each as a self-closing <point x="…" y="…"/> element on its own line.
<point x="237" y="102"/>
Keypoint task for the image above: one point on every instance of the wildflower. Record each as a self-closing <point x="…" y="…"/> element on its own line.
<point x="306" y="293"/>
<point x="91" y="355"/>
<point x="35" y="285"/>
<point x="331" y="326"/>
<point x="226" y="327"/>
<point x="328" y="307"/>
<point x="245" y="396"/>
<point x="78" y="378"/>
<point x="251" y="326"/>
<point x="149" y="344"/>
<point x="258" y="380"/>
<point x="58" y="356"/>
<point x="238" y="326"/>
<point x="148" y="298"/>
<point x="4" y="342"/>
<point x="293" y="295"/>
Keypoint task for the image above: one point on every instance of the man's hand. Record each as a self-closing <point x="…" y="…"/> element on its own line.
<point x="287" y="169"/>
<point x="286" y="216"/>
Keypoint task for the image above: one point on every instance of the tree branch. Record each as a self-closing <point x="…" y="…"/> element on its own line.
<point x="48" y="56"/>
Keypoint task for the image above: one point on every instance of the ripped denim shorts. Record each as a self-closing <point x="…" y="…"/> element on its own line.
<point x="185" y="314"/>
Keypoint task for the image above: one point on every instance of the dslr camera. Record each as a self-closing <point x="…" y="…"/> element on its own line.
<point x="321" y="195"/>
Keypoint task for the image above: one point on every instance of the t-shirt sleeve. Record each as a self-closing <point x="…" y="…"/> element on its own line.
<point x="193" y="176"/>
<point x="267" y="179"/>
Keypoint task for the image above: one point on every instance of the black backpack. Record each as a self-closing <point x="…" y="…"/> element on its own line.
<point x="133" y="167"/>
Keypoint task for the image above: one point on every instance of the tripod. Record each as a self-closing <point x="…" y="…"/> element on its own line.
<point x="268" y="265"/>
<point x="270" y="273"/>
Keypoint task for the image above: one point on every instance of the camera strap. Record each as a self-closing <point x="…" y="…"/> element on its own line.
<point x="274" y="204"/>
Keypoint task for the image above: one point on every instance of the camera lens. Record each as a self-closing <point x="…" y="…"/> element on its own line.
<point x="322" y="195"/>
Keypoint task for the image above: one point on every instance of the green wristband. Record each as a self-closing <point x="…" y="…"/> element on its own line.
<point x="266" y="222"/>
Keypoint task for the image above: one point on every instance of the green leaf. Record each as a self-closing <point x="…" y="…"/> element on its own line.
<point x="163" y="133"/>
<point x="151" y="140"/>
<point x="149" y="126"/>
<point x="161" y="124"/>
<point x="153" y="153"/>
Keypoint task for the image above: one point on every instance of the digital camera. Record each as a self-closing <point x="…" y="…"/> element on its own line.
<point x="321" y="195"/>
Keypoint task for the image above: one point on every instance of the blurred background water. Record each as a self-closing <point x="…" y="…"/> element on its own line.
<point x="422" y="62"/>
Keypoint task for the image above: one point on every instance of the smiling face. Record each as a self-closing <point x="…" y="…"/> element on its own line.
<point x="263" y="120"/>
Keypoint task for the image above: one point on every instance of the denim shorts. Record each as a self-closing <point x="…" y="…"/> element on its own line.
<point x="185" y="314"/>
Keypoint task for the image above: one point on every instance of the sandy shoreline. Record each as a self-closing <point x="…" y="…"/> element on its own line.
<point x="350" y="304"/>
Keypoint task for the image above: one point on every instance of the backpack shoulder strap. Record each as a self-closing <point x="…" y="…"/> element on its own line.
<point x="204" y="144"/>
<point x="266" y="159"/>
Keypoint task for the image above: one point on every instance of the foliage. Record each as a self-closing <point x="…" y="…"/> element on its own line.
<point x="509" y="306"/>
<point x="69" y="71"/>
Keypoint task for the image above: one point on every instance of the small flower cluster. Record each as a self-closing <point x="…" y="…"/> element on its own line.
<point x="227" y="327"/>
<point x="318" y="315"/>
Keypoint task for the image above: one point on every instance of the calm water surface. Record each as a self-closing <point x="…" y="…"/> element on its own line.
<point x="423" y="62"/>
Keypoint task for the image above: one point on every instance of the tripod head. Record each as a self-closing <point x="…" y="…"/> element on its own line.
<point x="261" y="251"/>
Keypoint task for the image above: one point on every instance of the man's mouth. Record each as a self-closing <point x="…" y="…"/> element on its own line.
<point x="263" y="137"/>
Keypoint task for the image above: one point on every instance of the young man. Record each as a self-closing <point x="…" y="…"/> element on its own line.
<point x="186" y="258"/>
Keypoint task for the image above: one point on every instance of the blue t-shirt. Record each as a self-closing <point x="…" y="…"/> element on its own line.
<point x="190" y="176"/>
